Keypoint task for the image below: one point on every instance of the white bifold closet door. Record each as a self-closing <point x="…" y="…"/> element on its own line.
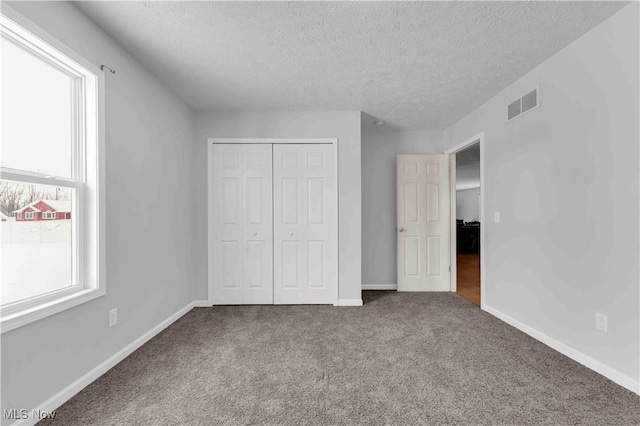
<point x="305" y="237"/>
<point x="243" y="225"/>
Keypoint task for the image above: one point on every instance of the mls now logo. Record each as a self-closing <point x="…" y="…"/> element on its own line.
<point x="17" y="414"/>
<point x="14" y="413"/>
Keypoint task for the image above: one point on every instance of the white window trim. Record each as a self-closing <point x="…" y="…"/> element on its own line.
<point x="90" y="249"/>
<point x="19" y="215"/>
<point x="28" y="215"/>
<point x="48" y="215"/>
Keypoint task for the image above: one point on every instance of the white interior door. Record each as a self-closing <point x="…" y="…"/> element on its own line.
<point x="305" y="228"/>
<point x="423" y="200"/>
<point x="242" y="224"/>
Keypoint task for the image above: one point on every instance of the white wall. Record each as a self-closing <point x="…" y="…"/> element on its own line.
<point x="468" y="205"/>
<point x="149" y="156"/>
<point x="344" y="125"/>
<point x="565" y="179"/>
<point x="380" y="147"/>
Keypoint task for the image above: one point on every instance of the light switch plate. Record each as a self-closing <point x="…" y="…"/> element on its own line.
<point x="113" y="317"/>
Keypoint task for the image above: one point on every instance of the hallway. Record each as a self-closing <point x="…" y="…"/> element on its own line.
<point x="469" y="277"/>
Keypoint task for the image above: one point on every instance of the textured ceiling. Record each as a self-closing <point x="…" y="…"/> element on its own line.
<point x="416" y="65"/>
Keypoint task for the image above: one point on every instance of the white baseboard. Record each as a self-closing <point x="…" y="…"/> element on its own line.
<point x="67" y="393"/>
<point x="379" y="286"/>
<point x="201" y="304"/>
<point x="349" y="302"/>
<point x="597" y="366"/>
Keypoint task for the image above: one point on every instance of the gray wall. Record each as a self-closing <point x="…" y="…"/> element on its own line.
<point x="565" y="179"/>
<point x="379" y="151"/>
<point x="149" y="157"/>
<point x="468" y="205"/>
<point x="344" y="125"/>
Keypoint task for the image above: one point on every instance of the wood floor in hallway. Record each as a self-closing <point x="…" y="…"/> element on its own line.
<point x="469" y="277"/>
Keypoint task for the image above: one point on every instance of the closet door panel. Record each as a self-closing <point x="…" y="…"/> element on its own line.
<point x="243" y="231"/>
<point x="258" y="226"/>
<point x="305" y="229"/>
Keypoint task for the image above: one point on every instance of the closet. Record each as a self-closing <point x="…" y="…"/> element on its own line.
<point x="273" y="223"/>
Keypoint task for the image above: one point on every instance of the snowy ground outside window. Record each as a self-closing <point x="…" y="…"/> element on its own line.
<point x="36" y="258"/>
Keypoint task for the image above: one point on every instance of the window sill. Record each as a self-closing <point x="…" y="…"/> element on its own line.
<point x="27" y="316"/>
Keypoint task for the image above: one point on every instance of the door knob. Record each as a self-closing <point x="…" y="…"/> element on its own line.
<point x="402" y="230"/>
<point x="255" y="234"/>
<point x="291" y="234"/>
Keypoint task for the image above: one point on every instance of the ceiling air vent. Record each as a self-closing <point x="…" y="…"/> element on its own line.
<point x="522" y="105"/>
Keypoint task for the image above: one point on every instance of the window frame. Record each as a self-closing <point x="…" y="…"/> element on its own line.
<point x="87" y="179"/>
<point x="28" y="215"/>
<point x="48" y="215"/>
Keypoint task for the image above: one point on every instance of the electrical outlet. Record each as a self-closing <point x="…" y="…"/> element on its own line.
<point x="113" y="317"/>
<point x="496" y="217"/>
<point x="601" y="322"/>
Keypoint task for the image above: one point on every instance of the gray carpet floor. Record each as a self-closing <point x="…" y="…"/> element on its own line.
<point x="401" y="359"/>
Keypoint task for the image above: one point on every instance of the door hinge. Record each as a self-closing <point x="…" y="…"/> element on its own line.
<point x="449" y="268"/>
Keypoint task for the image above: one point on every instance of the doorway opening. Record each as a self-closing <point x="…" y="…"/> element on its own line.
<point x="467" y="220"/>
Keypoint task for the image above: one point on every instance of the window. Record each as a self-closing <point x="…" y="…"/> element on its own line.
<point x="52" y="132"/>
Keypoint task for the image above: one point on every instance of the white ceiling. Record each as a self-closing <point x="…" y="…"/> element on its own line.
<point x="416" y="65"/>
